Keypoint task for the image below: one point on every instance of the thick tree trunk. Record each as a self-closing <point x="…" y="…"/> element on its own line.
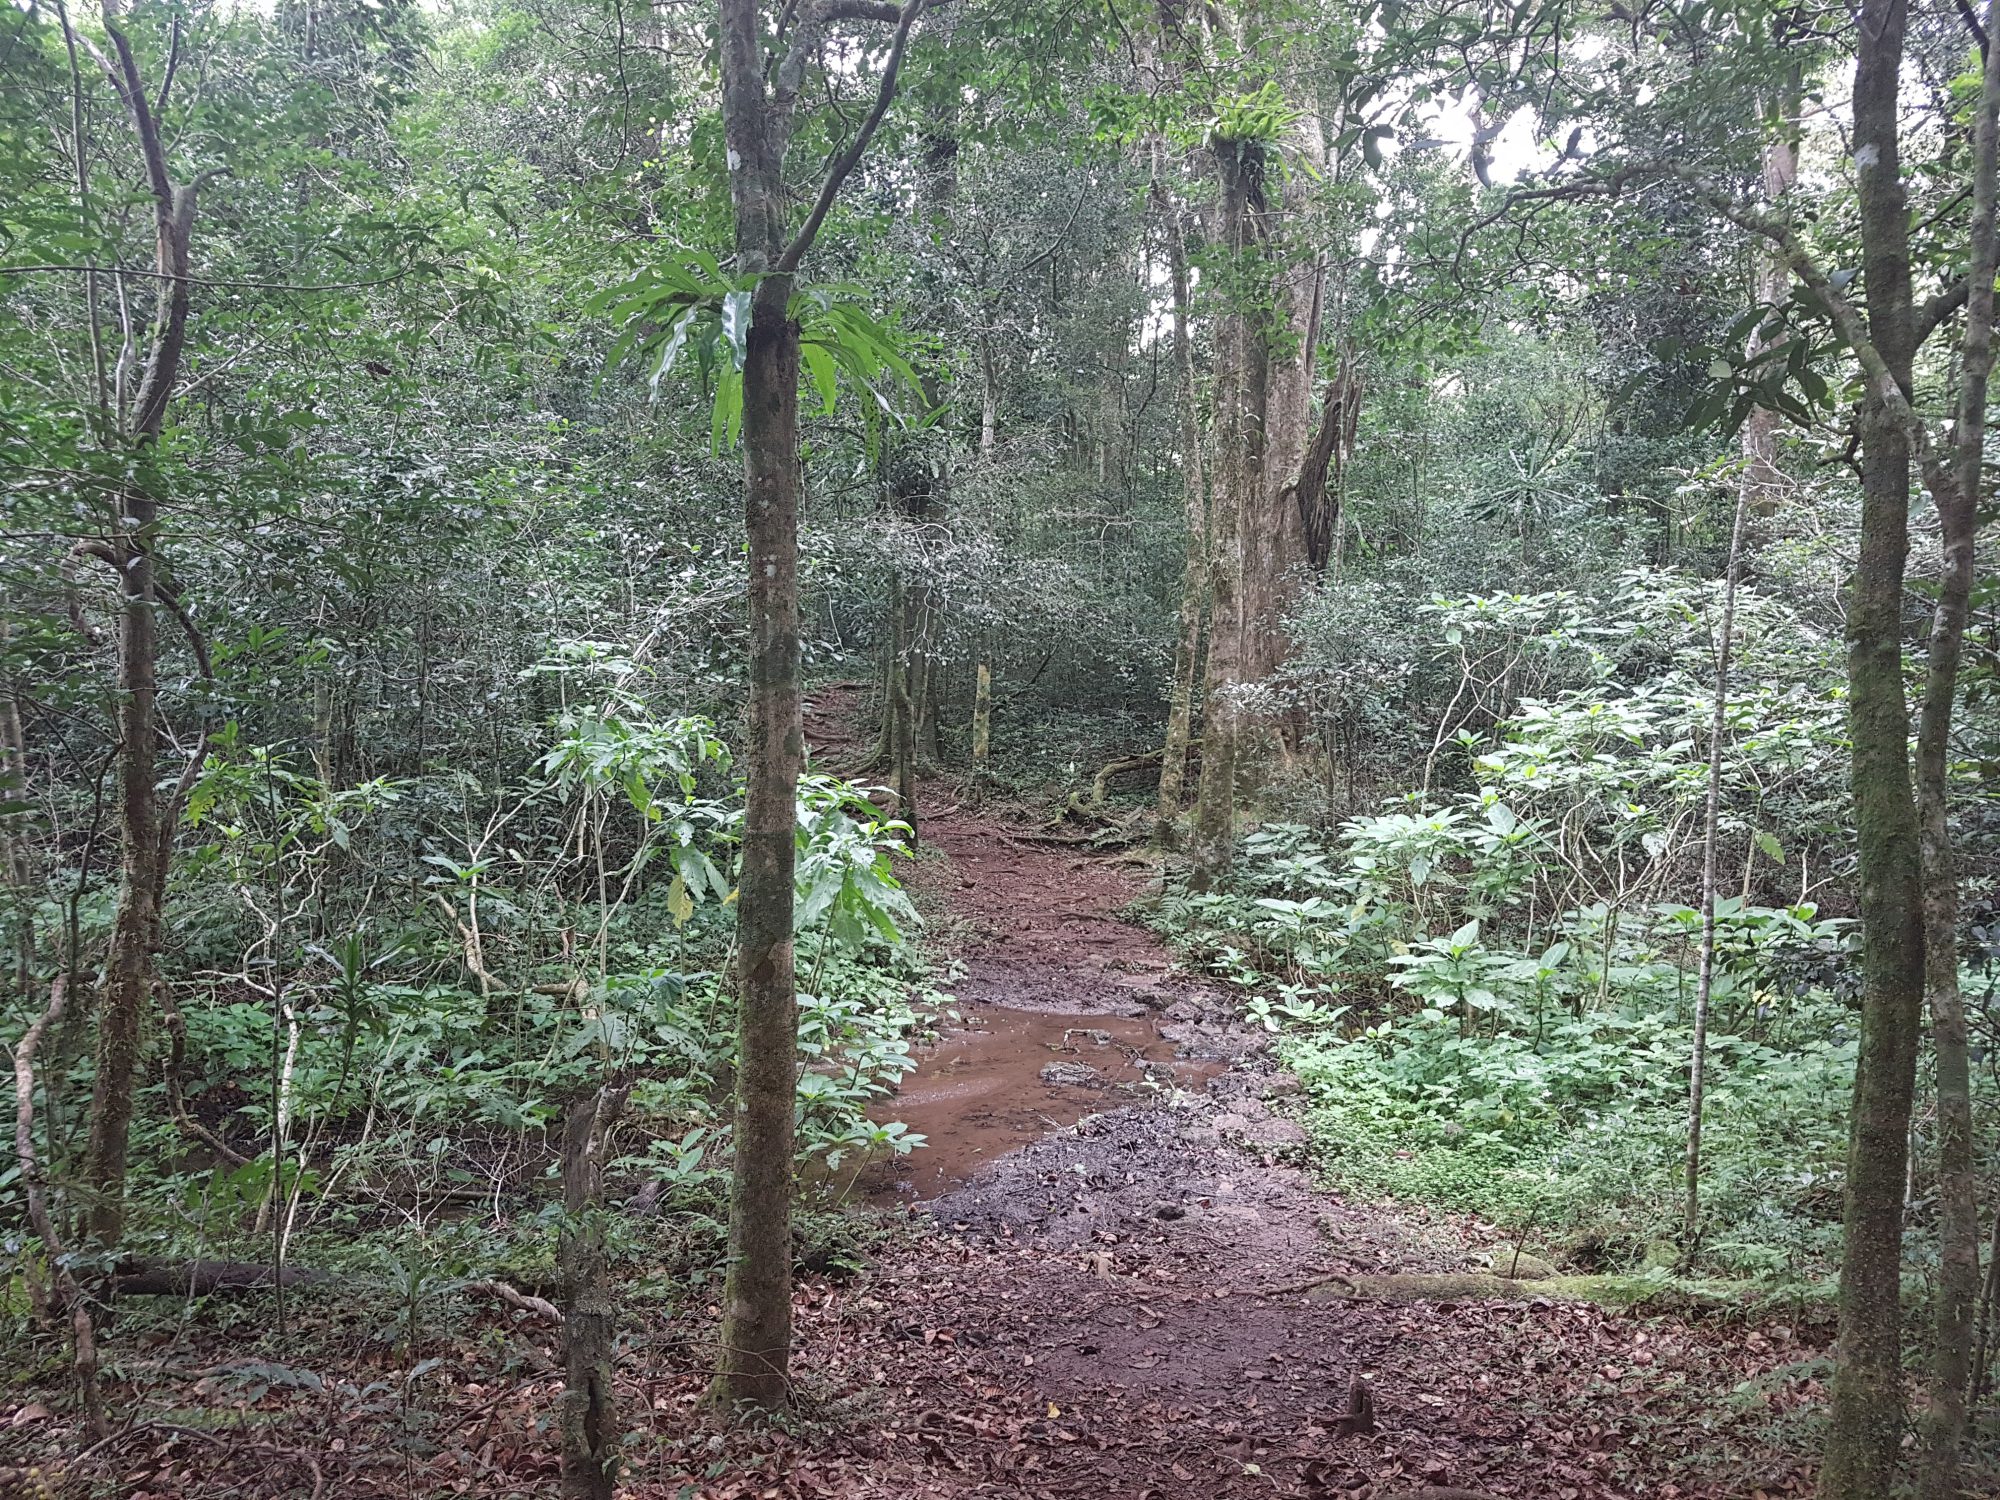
<point x="1958" y="508"/>
<point x="1240" y="376"/>
<point x="1866" y="1426"/>
<point x="1275" y="551"/>
<point x="757" y="1304"/>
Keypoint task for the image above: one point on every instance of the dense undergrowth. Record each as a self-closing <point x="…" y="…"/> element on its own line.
<point x="388" y="1103"/>
<point x="1488" y="987"/>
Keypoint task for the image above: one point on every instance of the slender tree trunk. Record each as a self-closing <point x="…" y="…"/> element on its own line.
<point x="131" y="963"/>
<point x="1194" y="567"/>
<point x="1865" y="1430"/>
<point x="1958" y="506"/>
<point x="903" y="712"/>
<point x="1711" y="816"/>
<point x="989" y="400"/>
<point x="982" y="717"/>
<point x="1762" y="475"/>
<point x="757" y="1304"/>
<point x="757" y="102"/>
<point x="589" y="1417"/>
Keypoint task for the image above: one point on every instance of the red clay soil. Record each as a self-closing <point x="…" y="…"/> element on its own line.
<point x="1132" y="1307"/>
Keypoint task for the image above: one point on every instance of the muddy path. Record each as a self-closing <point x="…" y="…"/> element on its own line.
<point x="1117" y="1285"/>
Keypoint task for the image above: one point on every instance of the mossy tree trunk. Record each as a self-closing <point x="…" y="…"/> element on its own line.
<point x="1866" y="1426"/>
<point x="1241" y="370"/>
<point x="1957" y="501"/>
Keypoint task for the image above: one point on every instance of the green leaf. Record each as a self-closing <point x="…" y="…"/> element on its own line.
<point x="736" y="323"/>
<point x="670" y="351"/>
<point x="820" y="370"/>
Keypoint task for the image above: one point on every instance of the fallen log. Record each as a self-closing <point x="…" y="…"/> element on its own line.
<point x="203" y="1278"/>
<point x="541" y="1307"/>
<point x="200" y="1278"/>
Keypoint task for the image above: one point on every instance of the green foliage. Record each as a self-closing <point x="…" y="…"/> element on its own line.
<point x="1488" y="990"/>
<point x="674" y="306"/>
<point x="1262" y="114"/>
<point x="1582" y="1130"/>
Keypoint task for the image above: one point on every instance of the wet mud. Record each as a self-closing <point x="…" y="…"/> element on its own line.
<point x="1005" y="1078"/>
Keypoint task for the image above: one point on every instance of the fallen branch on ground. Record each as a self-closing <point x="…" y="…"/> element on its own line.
<point x="541" y="1307"/>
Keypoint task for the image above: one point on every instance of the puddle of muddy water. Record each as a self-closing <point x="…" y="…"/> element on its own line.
<point x="980" y="1092"/>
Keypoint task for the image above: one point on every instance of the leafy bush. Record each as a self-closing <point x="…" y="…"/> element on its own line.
<point x="1487" y="987"/>
<point x="1584" y="1132"/>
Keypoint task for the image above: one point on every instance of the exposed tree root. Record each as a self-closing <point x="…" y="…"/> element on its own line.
<point x="541" y="1307"/>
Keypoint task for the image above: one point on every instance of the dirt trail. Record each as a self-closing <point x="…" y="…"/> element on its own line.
<point x="1118" y="1309"/>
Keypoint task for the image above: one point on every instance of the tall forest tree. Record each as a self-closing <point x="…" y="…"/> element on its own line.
<point x="765" y="63"/>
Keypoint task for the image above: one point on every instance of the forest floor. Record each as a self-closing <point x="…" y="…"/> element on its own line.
<point x="1108" y="1279"/>
<point x="1117" y="1283"/>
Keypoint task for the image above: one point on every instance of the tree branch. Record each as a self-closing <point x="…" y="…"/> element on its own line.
<point x="167" y="594"/>
<point x="859" y="10"/>
<point x="1940" y="307"/>
<point x="847" y="160"/>
<point x="1847" y="319"/>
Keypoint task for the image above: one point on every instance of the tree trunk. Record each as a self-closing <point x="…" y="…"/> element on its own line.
<point x="132" y="960"/>
<point x="757" y="102"/>
<point x="1194" y="567"/>
<point x="989" y="400"/>
<point x="1866" y="1425"/>
<point x="1711" y="817"/>
<point x="1764" y="480"/>
<point x="589" y="1413"/>
<point x="982" y="717"/>
<point x="757" y="1303"/>
<point x="1958" y="507"/>
<point x="1240" y="370"/>
<point x="1275" y="551"/>
<point x="903" y="711"/>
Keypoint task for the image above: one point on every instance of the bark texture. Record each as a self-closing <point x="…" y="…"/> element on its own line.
<point x="589" y="1414"/>
<point x="1957" y="499"/>
<point x="759" y="95"/>
<point x="1866" y="1426"/>
<point x="1241" y="368"/>
<point x="757" y="1304"/>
